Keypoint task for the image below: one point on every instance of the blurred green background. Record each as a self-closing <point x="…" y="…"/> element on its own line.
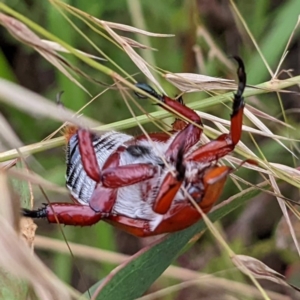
<point x="210" y="25"/>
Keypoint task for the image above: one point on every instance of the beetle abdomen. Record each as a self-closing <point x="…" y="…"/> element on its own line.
<point x="80" y="185"/>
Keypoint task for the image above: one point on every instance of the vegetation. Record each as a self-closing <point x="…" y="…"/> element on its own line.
<point x="255" y="223"/>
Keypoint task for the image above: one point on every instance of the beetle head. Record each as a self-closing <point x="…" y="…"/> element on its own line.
<point x="193" y="182"/>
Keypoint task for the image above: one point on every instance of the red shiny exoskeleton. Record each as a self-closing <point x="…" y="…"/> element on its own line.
<point x="141" y="185"/>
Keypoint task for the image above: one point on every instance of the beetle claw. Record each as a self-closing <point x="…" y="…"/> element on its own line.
<point x="147" y="89"/>
<point x="40" y="213"/>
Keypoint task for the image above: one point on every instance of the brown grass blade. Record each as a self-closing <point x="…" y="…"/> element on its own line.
<point x="261" y="114"/>
<point x="36" y="180"/>
<point x="36" y="105"/>
<point x="17" y="259"/>
<point x="132" y="29"/>
<point x="285" y="213"/>
<point x="137" y="59"/>
<point x="136" y="44"/>
<point x="57" y="47"/>
<point x="259" y="270"/>
<point x="47" y="49"/>
<point x="264" y="128"/>
<point x="189" y="82"/>
<point x="8" y="135"/>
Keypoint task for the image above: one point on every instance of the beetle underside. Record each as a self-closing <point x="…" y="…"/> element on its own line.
<point x="142" y="186"/>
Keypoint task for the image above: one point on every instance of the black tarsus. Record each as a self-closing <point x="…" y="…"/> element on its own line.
<point x="148" y="89"/>
<point x="35" y="214"/>
<point x="238" y="101"/>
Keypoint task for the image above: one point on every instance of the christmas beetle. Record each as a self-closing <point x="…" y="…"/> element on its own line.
<point x="141" y="185"/>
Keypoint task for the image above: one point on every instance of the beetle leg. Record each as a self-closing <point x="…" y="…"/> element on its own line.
<point x="191" y="133"/>
<point x="225" y="143"/>
<point x="177" y="106"/>
<point x="213" y="180"/>
<point x="102" y="199"/>
<point x="127" y="175"/>
<point x="66" y="213"/>
<point x="184" y="140"/>
<point x="170" y="186"/>
<point x="168" y="189"/>
<point x="113" y="177"/>
<point x="105" y="194"/>
<point x="178" y="218"/>
<point x="187" y="137"/>
<point x="177" y="125"/>
<point x="88" y="155"/>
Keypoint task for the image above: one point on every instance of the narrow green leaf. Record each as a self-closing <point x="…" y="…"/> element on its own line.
<point x="274" y="41"/>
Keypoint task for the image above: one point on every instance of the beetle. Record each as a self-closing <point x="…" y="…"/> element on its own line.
<point x="140" y="185"/>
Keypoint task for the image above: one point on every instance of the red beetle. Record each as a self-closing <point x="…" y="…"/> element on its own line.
<point x="123" y="180"/>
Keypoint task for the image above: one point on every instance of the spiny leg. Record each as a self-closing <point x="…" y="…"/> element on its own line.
<point x="114" y="176"/>
<point x="213" y="180"/>
<point x="127" y="175"/>
<point x="104" y="196"/>
<point x="166" y="194"/>
<point x="170" y="186"/>
<point x="225" y="143"/>
<point x="69" y="213"/>
<point x="65" y="213"/>
<point x="102" y="199"/>
<point x="177" y="125"/>
<point x="187" y="137"/>
<point x="88" y="155"/>
<point x="176" y="106"/>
